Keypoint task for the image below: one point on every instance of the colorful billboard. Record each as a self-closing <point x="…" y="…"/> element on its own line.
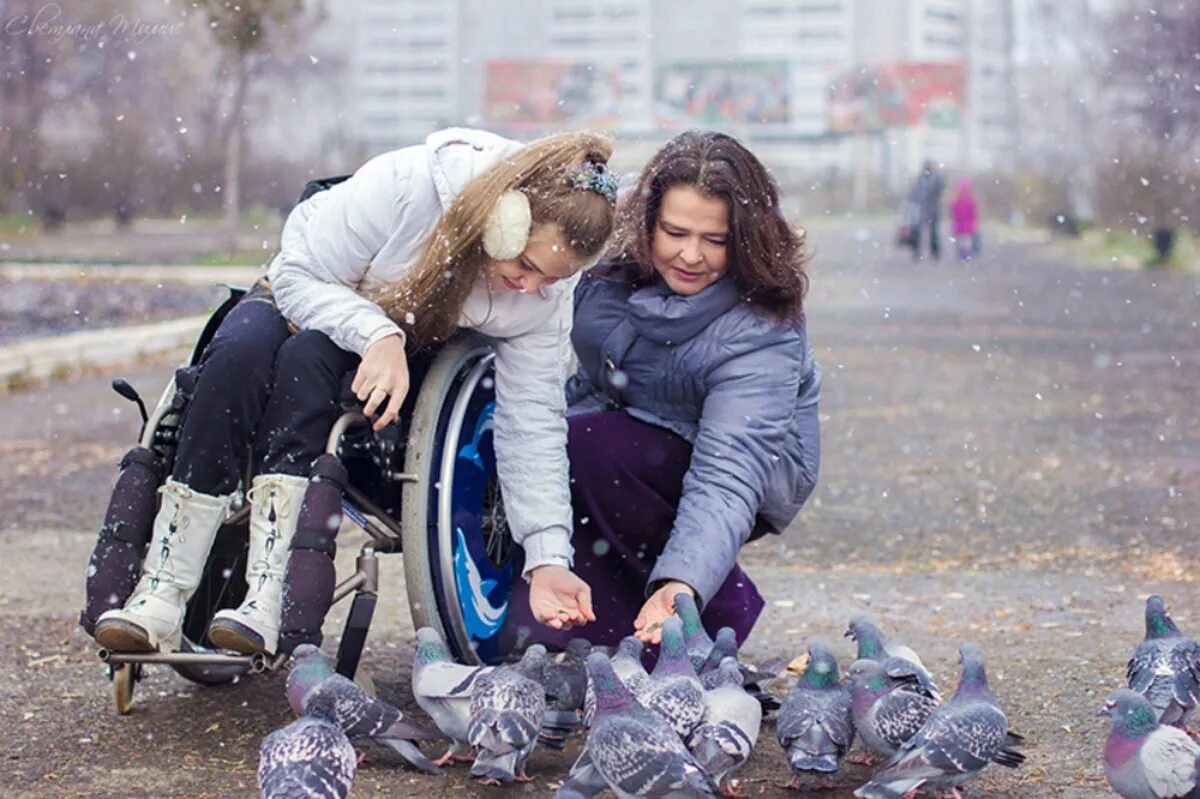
<point x="535" y="93"/>
<point x="715" y="93"/>
<point x="897" y="95"/>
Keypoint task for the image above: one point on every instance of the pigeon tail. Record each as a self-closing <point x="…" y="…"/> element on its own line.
<point x="409" y="751"/>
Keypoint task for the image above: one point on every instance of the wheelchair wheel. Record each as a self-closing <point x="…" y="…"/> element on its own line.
<point x="458" y="552"/>
<point x="222" y="586"/>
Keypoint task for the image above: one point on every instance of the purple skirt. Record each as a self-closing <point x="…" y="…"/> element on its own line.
<point x="626" y="482"/>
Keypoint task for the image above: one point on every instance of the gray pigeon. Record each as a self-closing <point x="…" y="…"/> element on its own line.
<point x="507" y="709"/>
<point x="1165" y="667"/>
<point x="566" y="691"/>
<point x="815" y="726"/>
<point x="957" y="741"/>
<point x="694" y="635"/>
<point x="674" y="690"/>
<point x="443" y="690"/>
<point x="727" y="735"/>
<point x="311" y="757"/>
<point x="887" y="711"/>
<point x="873" y="646"/>
<point x="724" y="646"/>
<point x="753" y="677"/>
<point x="1144" y="759"/>
<point x="630" y="749"/>
<point x="627" y="665"/>
<point x="361" y="716"/>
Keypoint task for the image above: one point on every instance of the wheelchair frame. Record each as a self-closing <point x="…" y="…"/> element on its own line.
<point x="430" y="527"/>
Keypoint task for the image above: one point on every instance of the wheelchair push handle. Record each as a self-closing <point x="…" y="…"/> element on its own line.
<point x="122" y="387"/>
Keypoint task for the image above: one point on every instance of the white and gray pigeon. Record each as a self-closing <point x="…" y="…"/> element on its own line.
<point x="674" y="691"/>
<point x="631" y="750"/>
<point x="958" y="740"/>
<point x="508" y="706"/>
<point x="361" y="716"/>
<point x="627" y="665"/>
<point x="443" y="689"/>
<point x="726" y="736"/>
<point x="1165" y="667"/>
<point x="887" y="711"/>
<point x="873" y="646"/>
<point x="311" y="757"/>
<point x="815" y="726"/>
<point x="695" y="637"/>
<point x="1144" y="759"/>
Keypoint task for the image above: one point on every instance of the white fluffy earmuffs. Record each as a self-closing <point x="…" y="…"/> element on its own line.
<point x="507" y="229"/>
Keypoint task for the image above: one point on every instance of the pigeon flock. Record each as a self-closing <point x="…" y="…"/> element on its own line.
<point x="685" y="727"/>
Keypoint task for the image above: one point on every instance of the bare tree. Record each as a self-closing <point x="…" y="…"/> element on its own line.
<point x="1155" y="74"/>
<point x="247" y="31"/>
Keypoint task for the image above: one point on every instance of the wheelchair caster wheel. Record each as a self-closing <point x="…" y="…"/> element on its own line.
<point x="124" y="678"/>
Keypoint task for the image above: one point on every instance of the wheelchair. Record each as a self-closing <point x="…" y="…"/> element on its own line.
<point x="425" y="486"/>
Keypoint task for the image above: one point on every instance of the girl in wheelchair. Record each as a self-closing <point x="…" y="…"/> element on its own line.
<point x="468" y="230"/>
<point x="693" y="423"/>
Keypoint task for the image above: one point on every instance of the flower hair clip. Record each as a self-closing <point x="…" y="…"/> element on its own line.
<point x="592" y="176"/>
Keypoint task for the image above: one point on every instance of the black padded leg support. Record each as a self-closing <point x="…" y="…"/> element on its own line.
<point x="117" y="559"/>
<point x="311" y="577"/>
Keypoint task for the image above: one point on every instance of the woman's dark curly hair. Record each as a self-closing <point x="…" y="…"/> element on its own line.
<point x="766" y="255"/>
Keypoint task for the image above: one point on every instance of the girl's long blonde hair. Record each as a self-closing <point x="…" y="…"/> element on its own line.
<point x="427" y="300"/>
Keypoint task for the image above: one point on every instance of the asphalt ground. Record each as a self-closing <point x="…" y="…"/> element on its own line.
<point x="1011" y="456"/>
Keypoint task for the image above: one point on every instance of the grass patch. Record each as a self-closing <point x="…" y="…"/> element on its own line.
<point x="17" y="224"/>
<point x="1128" y="249"/>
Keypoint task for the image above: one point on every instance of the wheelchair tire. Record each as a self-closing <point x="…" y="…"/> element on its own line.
<point x="458" y="557"/>
<point x="222" y="586"/>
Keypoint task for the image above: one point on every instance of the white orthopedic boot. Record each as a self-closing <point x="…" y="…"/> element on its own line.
<point x="184" y="529"/>
<point x="254" y="626"/>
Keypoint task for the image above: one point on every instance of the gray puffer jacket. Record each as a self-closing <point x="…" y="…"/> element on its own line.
<point x="741" y="387"/>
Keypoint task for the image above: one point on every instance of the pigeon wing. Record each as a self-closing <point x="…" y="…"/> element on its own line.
<point x="641" y="758"/>
<point x="309" y="757"/>
<point x="1168" y="759"/>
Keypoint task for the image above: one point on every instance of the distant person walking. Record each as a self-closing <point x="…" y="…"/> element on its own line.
<point x="925" y="199"/>
<point x="964" y="214"/>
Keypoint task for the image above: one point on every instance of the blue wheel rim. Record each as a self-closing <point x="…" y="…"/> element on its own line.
<point x="480" y="542"/>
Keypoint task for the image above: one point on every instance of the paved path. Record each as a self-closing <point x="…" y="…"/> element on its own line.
<point x="1011" y="455"/>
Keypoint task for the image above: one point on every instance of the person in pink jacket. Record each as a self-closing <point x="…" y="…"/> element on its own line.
<point x="964" y="214"/>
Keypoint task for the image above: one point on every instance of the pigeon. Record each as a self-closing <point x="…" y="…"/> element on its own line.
<point x="1144" y="759"/>
<point x="566" y="691"/>
<point x="360" y="716"/>
<point x="630" y="749"/>
<point x="815" y="726"/>
<point x="627" y="665"/>
<point x="873" y="646"/>
<point x="310" y="757"/>
<point x="753" y="677"/>
<point x="674" y="689"/>
<point x="724" y="646"/>
<point x="507" y="709"/>
<point x="694" y="635"/>
<point x="887" y="711"/>
<point x="443" y="689"/>
<point x="727" y="735"/>
<point x="957" y="741"/>
<point x="1165" y="667"/>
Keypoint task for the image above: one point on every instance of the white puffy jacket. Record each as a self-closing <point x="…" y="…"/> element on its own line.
<point x="365" y="233"/>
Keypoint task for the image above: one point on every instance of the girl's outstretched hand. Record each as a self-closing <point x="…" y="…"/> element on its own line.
<point x="559" y="598"/>
<point x="647" y="627"/>
<point x="382" y="376"/>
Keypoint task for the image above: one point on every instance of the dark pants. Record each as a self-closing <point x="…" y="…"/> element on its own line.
<point x="260" y="390"/>
<point x="626" y="483"/>
<point x="930" y="222"/>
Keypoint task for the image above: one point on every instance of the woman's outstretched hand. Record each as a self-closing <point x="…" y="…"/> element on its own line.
<point x="559" y="598"/>
<point x="647" y="627"/>
<point x="382" y="375"/>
